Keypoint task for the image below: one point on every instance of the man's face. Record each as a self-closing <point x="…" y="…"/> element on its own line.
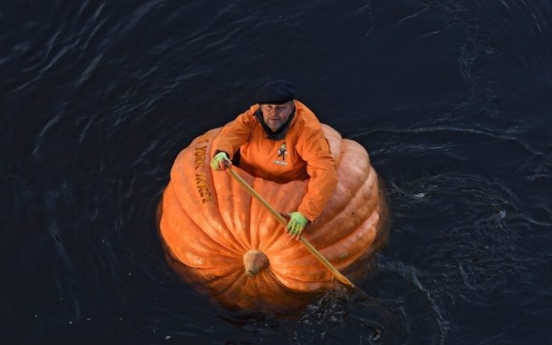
<point x="276" y="115"/>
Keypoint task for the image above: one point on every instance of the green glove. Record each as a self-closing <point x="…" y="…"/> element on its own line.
<point x="219" y="161"/>
<point x="296" y="224"/>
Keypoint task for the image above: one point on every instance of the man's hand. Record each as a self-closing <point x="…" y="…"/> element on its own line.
<point x="296" y="224"/>
<point x="220" y="161"/>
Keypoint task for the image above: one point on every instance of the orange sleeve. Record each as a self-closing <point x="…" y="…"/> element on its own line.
<point x="315" y="150"/>
<point x="235" y="134"/>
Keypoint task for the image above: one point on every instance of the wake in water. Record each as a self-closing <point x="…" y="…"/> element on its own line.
<point x="402" y="312"/>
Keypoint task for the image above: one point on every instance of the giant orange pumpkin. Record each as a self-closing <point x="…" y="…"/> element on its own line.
<point x="221" y="239"/>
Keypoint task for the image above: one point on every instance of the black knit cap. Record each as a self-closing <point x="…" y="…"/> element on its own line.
<point x="276" y="92"/>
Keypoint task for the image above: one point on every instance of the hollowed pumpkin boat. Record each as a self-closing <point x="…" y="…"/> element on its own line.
<point x="221" y="240"/>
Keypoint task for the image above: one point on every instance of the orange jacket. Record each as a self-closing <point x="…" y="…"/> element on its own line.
<point x="303" y="153"/>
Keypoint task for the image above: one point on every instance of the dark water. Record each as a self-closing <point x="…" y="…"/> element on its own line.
<point x="453" y="99"/>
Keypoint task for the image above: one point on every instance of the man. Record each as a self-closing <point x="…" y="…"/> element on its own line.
<point x="280" y="139"/>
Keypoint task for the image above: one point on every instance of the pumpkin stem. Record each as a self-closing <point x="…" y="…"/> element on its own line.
<point x="254" y="261"/>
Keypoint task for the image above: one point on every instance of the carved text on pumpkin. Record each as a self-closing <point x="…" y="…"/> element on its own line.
<point x="200" y="153"/>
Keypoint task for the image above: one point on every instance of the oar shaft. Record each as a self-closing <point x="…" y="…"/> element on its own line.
<point x="282" y="220"/>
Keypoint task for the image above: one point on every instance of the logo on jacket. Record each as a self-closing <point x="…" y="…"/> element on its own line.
<point x="282" y="152"/>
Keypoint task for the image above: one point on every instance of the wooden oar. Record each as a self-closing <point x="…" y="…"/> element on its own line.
<point x="282" y="220"/>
